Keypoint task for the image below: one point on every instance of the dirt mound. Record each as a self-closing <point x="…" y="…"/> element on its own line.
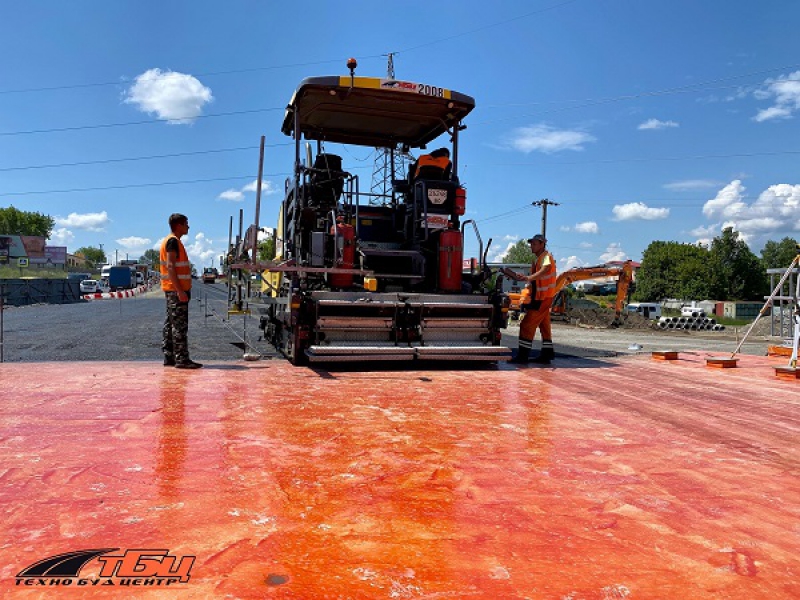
<point x="603" y="317"/>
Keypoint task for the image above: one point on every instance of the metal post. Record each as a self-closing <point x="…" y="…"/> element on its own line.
<point x="768" y="303"/>
<point x="2" y="310"/>
<point x="258" y="199"/>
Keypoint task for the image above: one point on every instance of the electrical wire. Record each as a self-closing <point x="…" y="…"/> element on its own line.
<point x="137" y="158"/>
<point x="148" y="122"/>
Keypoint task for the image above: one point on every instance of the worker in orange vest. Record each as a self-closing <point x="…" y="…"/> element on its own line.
<point x="176" y="281"/>
<point x="435" y="165"/>
<point x="537" y="316"/>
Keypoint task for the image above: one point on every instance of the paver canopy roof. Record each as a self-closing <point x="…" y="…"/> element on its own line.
<point x="374" y="112"/>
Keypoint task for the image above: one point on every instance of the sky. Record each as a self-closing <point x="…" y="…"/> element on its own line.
<point x="642" y="119"/>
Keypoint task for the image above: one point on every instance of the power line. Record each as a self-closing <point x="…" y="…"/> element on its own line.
<point x="691" y="87"/>
<point x="140" y="185"/>
<point x="128" y="81"/>
<point x="497" y="24"/>
<point x="148" y="122"/>
<point x="136" y="158"/>
<point x="651" y="159"/>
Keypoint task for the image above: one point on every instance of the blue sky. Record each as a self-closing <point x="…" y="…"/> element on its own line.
<point x="645" y="120"/>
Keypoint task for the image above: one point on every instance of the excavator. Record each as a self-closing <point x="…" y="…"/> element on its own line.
<point x="558" y="308"/>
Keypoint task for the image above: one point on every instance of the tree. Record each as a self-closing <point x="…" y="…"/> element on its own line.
<point x="519" y="253"/>
<point x="94" y="255"/>
<point x="779" y="255"/>
<point x="266" y="249"/>
<point x="20" y="222"/>
<point x="673" y="270"/>
<point x="151" y="257"/>
<point x="736" y="273"/>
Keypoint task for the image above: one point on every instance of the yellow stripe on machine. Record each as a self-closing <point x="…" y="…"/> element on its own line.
<point x="410" y="87"/>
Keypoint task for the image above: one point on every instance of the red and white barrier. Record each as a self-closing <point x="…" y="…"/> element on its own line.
<point x="121" y="294"/>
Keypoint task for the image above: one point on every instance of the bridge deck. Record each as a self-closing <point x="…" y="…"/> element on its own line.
<point x="627" y="478"/>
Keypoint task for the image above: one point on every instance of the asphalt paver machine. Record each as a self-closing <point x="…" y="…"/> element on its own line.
<point x="362" y="276"/>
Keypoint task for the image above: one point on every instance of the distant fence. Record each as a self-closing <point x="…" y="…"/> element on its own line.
<point x="22" y="292"/>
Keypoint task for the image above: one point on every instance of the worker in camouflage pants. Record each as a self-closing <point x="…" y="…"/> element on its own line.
<point x="175" y="343"/>
<point x="176" y="281"/>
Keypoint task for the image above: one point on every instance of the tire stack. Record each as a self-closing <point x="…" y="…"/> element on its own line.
<point x="697" y="322"/>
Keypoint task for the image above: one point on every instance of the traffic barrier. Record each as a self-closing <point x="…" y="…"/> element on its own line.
<point x="121" y="294"/>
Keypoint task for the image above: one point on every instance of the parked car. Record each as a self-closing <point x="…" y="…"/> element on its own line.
<point x="89" y="286"/>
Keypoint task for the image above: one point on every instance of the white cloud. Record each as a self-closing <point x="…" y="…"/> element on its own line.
<point x="134" y="242"/>
<point x="177" y="97"/>
<point x="613" y="252"/>
<point x="728" y="201"/>
<point x="638" y="210"/>
<point x="587" y="227"/>
<point x="689" y="185"/>
<point x="784" y="92"/>
<point x="232" y="195"/>
<point x="656" y="124"/>
<point x="704" y="232"/>
<point x="500" y="253"/>
<point x="570" y="262"/>
<point x="775" y="211"/>
<point x="61" y="237"/>
<point x="202" y="252"/>
<point x="546" y="139"/>
<point x="267" y="187"/>
<point x="87" y="221"/>
<point x="585" y="245"/>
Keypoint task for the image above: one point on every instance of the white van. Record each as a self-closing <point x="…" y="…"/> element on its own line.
<point x="105" y="272"/>
<point x="649" y="310"/>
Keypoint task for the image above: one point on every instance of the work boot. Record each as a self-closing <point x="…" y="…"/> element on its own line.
<point x="188" y="365"/>
<point x="169" y="361"/>
<point x="521" y="358"/>
<point x="545" y="356"/>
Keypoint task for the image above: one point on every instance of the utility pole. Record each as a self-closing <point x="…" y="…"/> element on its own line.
<point x="544" y="203"/>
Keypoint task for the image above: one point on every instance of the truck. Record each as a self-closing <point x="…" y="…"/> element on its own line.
<point x="121" y="278"/>
<point x="210" y="275"/>
<point x="376" y="275"/>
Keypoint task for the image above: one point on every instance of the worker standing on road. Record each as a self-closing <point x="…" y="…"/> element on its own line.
<point x="537" y="316"/>
<point x="176" y="281"/>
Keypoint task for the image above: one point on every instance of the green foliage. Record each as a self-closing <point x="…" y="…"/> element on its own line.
<point x="94" y="255"/>
<point x="779" y="255"/>
<point x="672" y="270"/>
<point x="726" y="271"/>
<point x="152" y="258"/>
<point x="736" y="273"/>
<point x="520" y="253"/>
<point x="266" y="249"/>
<point x="20" y="222"/>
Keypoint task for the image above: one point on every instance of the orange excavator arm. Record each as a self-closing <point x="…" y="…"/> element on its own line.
<point x="624" y="275"/>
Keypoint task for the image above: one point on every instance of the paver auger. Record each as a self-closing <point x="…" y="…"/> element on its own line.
<point x="364" y="276"/>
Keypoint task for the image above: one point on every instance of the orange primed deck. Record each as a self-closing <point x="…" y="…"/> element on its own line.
<point x="629" y="478"/>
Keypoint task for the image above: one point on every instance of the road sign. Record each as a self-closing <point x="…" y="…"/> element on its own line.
<point x="22" y="262"/>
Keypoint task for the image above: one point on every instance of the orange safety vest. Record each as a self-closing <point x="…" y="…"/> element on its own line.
<point x="426" y="160"/>
<point x="183" y="268"/>
<point x="545" y="286"/>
